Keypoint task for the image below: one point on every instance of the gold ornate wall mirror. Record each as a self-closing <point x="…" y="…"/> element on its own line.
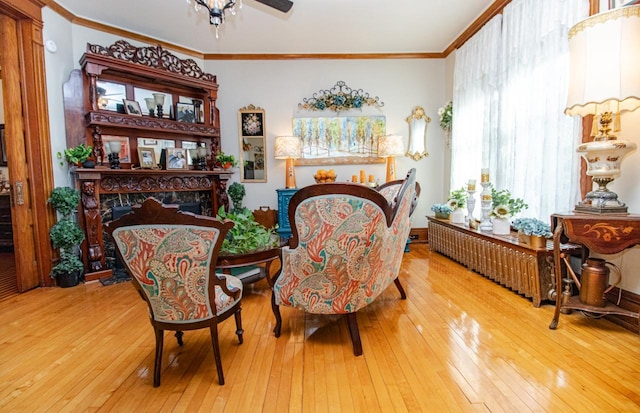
<point x="252" y="131"/>
<point x="418" y="122"/>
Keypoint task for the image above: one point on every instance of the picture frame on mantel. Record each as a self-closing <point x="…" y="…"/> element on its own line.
<point x="147" y="157"/>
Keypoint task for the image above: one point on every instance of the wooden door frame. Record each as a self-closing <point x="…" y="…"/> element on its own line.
<point x="24" y="81"/>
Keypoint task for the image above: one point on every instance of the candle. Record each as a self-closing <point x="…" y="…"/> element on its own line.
<point x="363" y="176"/>
<point x="471" y="185"/>
<point x="354" y="178"/>
<point x="485" y="175"/>
<point x="371" y="179"/>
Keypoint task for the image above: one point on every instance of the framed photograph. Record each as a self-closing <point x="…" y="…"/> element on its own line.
<point x="147" y="157"/>
<point x="176" y="158"/>
<point x="131" y="107"/>
<point x="185" y="112"/>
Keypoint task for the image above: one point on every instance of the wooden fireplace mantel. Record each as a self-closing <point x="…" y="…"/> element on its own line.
<point x="94" y="182"/>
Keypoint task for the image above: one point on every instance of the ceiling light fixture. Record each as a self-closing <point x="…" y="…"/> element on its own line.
<point x="217" y="9"/>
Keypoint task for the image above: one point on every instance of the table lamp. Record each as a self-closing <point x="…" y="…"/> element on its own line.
<point x="389" y="147"/>
<point x="604" y="81"/>
<point x="289" y="148"/>
<point x="113" y="153"/>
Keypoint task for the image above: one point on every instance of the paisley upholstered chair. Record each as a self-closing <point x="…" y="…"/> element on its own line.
<point x="347" y="247"/>
<point x="171" y="257"/>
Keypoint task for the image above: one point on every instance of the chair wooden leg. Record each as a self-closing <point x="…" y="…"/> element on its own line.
<point x="239" y="329"/>
<point x="352" y="322"/>
<point x="216" y="352"/>
<point x="179" y="335"/>
<point x="403" y="295"/>
<point x="276" y="312"/>
<point x="157" y="367"/>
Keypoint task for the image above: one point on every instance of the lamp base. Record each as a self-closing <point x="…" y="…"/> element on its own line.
<point x="391" y="168"/>
<point x="290" y="182"/>
<point x="601" y="202"/>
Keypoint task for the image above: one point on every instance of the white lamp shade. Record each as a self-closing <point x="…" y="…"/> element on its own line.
<point x="151" y="103"/>
<point x="390" y="145"/>
<point x="605" y="63"/>
<point x="158" y="98"/>
<point x="287" y="147"/>
<point x="113" y="147"/>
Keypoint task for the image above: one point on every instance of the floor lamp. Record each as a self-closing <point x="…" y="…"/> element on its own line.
<point x="389" y="147"/>
<point x="604" y="82"/>
<point x="289" y="148"/>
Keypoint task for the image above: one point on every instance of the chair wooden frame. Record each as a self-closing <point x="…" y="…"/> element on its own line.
<point x="390" y="211"/>
<point x="153" y="212"/>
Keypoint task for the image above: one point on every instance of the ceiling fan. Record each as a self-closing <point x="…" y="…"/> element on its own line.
<point x="281" y="5"/>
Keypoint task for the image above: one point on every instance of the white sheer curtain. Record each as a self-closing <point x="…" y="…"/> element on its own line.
<point x="531" y="150"/>
<point x="475" y="102"/>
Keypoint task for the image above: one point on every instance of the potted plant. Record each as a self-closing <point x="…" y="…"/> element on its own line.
<point x="504" y="206"/>
<point x="226" y="161"/>
<point x="78" y="155"/>
<point x="246" y="235"/>
<point x="457" y="201"/>
<point x="442" y="210"/>
<point x="67" y="236"/>
<point x="236" y="193"/>
<point x="532" y="231"/>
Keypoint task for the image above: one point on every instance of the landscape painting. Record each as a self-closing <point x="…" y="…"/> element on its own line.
<point x="339" y="140"/>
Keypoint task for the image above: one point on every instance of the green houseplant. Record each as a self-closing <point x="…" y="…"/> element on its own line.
<point x="76" y="155"/>
<point x="236" y="193"/>
<point x="67" y="236"/>
<point x="246" y="235"/>
<point x="227" y="161"/>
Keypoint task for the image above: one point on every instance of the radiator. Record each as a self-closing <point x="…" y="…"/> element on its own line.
<point x="501" y="258"/>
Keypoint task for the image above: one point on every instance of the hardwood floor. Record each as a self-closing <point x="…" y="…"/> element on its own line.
<point x="459" y="343"/>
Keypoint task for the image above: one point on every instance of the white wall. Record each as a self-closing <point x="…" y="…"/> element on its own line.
<point x="278" y="87"/>
<point x="628" y="189"/>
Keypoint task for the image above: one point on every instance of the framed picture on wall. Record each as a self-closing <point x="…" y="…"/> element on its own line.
<point x="147" y="157"/>
<point x="252" y="139"/>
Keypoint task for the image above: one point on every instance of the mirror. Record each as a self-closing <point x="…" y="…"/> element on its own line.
<point x="110" y="95"/>
<point x="418" y="122"/>
<point x="151" y="100"/>
<point x="251" y="127"/>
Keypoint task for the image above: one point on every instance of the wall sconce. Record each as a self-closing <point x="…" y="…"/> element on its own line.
<point x="159" y="101"/>
<point x="113" y="152"/>
<point x="289" y="148"/>
<point x="604" y="81"/>
<point x="151" y="105"/>
<point x="389" y="147"/>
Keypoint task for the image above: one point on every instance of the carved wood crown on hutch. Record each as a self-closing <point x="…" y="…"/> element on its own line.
<point x="152" y="69"/>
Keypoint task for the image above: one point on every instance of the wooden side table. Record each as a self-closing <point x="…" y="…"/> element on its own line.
<point x="603" y="234"/>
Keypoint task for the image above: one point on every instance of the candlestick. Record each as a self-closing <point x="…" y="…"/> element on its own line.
<point x="471" y="203"/>
<point x="484" y="175"/>
<point x="363" y="176"/>
<point x="485" y="202"/>
<point x="471" y="185"/>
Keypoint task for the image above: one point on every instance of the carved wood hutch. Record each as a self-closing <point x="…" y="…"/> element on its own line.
<point x="95" y="98"/>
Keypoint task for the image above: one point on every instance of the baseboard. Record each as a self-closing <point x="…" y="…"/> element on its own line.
<point x="629" y="301"/>
<point x="419" y="235"/>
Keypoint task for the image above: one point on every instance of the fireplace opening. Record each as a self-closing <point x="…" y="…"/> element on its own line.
<point x="119" y="272"/>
